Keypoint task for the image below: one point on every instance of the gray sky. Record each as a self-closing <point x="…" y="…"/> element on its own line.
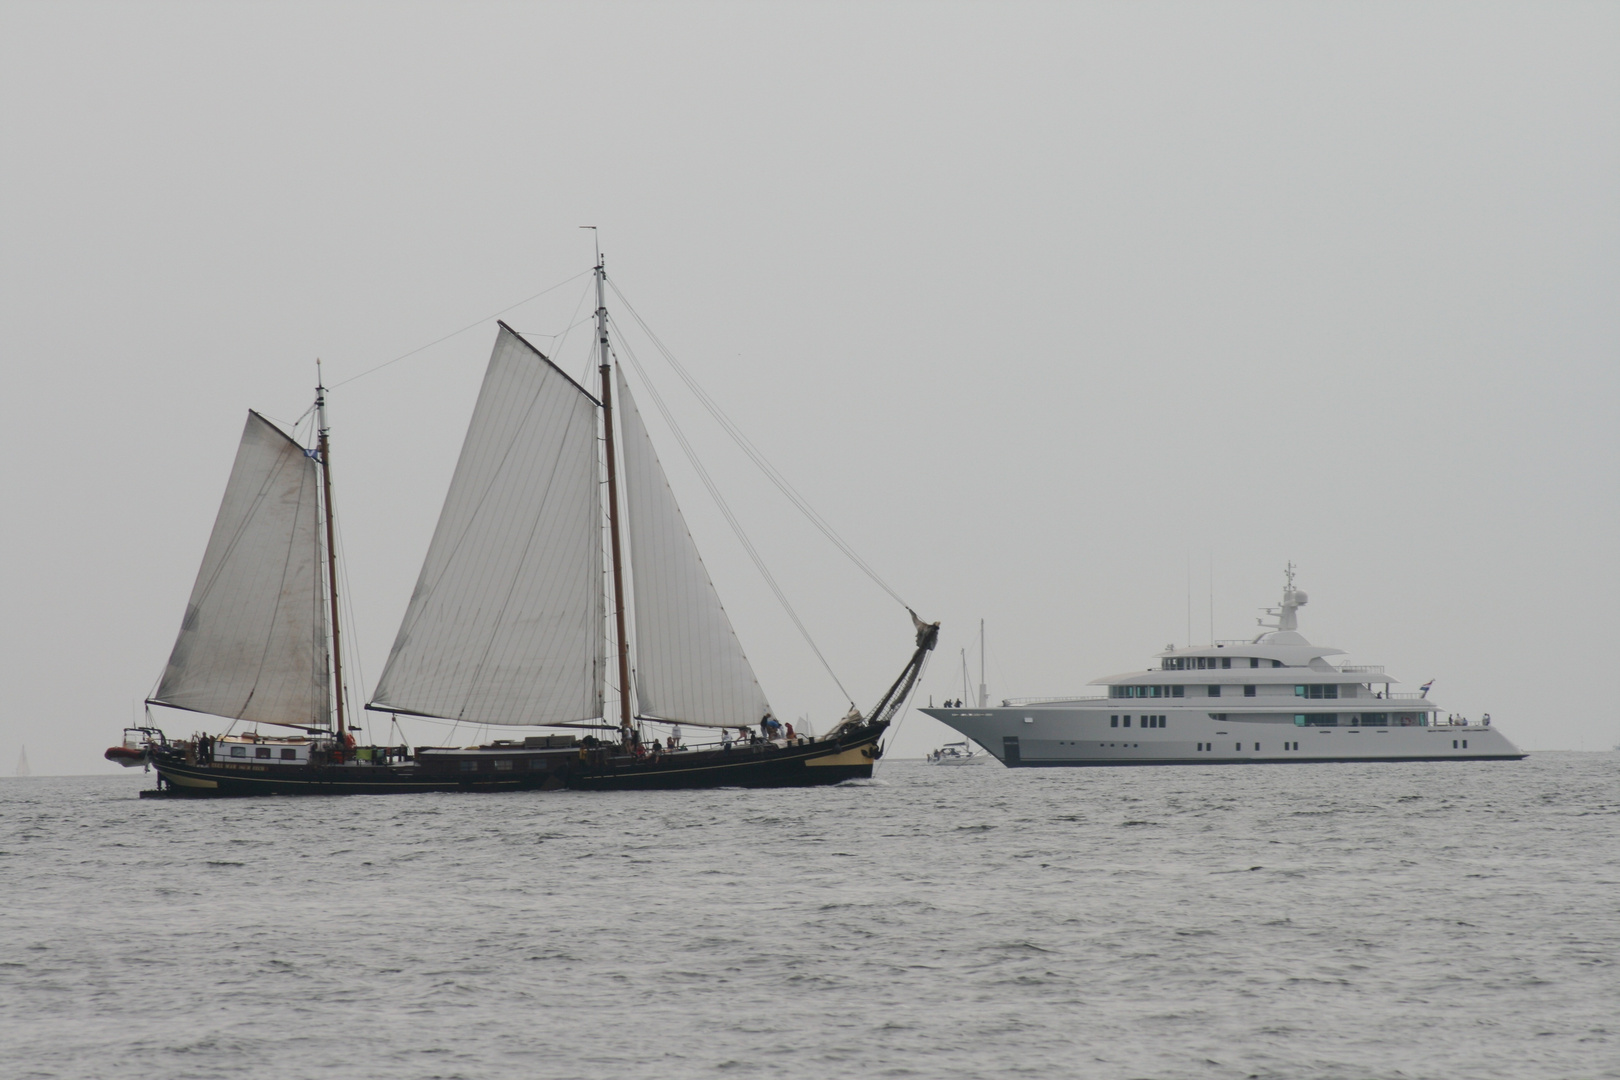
<point x="1040" y="304"/>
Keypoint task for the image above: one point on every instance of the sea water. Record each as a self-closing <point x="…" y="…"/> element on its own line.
<point x="1453" y="919"/>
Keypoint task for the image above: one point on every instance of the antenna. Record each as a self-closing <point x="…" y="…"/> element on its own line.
<point x="1212" y="598"/>
<point x="1189" y="599"/>
<point x="984" y="695"/>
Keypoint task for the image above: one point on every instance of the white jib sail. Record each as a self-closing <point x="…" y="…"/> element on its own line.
<point x="505" y="625"/>
<point x="252" y="644"/>
<point x="689" y="664"/>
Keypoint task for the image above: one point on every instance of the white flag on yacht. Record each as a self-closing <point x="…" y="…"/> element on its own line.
<point x="252" y="644"/>
<point x="506" y="623"/>
<point x="689" y="664"/>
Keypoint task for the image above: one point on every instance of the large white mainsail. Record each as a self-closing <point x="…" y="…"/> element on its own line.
<point x="506" y="623"/>
<point x="252" y="644"/>
<point x="689" y="664"/>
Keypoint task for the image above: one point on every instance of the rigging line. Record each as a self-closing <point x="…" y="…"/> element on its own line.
<point x="348" y="610"/>
<point x="564" y="332"/>
<point x="753" y="452"/>
<point x="911" y="698"/>
<point x="759" y="459"/>
<point x="292" y="428"/>
<point x="558" y="347"/>
<point x="463" y="330"/>
<point x="770" y="472"/>
<point x="731" y="519"/>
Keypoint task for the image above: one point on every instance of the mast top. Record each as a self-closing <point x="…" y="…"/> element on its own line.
<point x="597" y="239"/>
<point x="1293" y="599"/>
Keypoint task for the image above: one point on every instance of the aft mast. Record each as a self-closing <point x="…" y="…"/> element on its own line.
<point x="324" y="454"/>
<point x="606" y="371"/>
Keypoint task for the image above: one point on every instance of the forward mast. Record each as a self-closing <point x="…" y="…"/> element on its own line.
<point x="323" y="450"/>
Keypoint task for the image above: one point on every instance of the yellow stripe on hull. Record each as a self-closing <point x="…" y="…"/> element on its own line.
<point x="855" y="755"/>
<point x="188" y="781"/>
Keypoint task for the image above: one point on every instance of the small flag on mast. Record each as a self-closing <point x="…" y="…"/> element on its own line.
<point x="1425" y="688"/>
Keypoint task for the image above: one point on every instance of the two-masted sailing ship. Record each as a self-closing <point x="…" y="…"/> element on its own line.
<point x="507" y="626"/>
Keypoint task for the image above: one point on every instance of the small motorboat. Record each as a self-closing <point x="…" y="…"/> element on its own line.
<point x="955" y="753"/>
<point x="136" y="749"/>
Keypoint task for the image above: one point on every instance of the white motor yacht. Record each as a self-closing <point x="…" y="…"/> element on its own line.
<point x="1276" y="698"/>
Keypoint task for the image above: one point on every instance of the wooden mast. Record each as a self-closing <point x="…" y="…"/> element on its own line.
<point x="324" y="453"/>
<point x="613" y="495"/>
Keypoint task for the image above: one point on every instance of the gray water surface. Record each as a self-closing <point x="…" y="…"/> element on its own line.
<point x="1395" y="920"/>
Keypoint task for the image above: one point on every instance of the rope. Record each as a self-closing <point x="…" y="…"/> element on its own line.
<point x="725" y="510"/>
<point x="463" y="330"/>
<point x="894" y="734"/>
<point x="757" y="457"/>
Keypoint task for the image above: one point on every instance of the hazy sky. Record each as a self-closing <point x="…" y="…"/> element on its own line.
<point x="1041" y="305"/>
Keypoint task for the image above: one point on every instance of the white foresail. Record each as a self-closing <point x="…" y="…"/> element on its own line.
<point x="252" y="644"/>
<point x="689" y="664"/>
<point x="506" y="623"/>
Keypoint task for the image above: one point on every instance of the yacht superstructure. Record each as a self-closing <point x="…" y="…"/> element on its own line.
<point x="1274" y="698"/>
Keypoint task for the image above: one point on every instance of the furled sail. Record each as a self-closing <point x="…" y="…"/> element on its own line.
<point x="506" y="623"/>
<point x="252" y="644"/>
<point x="689" y="664"/>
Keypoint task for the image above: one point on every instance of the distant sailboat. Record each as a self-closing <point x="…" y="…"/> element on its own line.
<point x="507" y="625"/>
<point x="22" y="763"/>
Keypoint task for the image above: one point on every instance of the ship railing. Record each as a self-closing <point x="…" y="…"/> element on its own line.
<point x="1008" y="703"/>
<point x="1406" y="696"/>
<point x="1363" y="669"/>
<point x="1461" y="721"/>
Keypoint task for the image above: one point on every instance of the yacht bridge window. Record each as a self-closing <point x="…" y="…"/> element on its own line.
<point x="1146" y="691"/>
<point x="1317" y="690"/>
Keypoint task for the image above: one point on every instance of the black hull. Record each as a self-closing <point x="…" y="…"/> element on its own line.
<point x="182" y="781"/>
<point x="813" y="764"/>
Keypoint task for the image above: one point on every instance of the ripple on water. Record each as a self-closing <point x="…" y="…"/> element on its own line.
<point x="1448" y="920"/>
